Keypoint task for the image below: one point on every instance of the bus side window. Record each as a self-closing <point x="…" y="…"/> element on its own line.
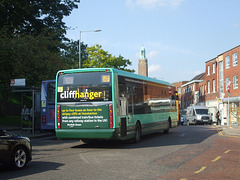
<point x="122" y="100"/>
<point x="130" y="99"/>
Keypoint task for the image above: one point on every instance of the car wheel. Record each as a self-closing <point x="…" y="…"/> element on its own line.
<point x="195" y="122"/>
<point x="19" y="158"/>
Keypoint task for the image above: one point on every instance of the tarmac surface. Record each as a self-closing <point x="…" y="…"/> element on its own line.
<point x="223" y="130"/>
<point x="27" y="133"/>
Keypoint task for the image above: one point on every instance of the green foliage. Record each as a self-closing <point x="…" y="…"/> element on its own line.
<point x="31" y="41"/>
<point x="71" y="54"/>
<point x="11" y="120"/>
<point x="32" y="16"/>
<point x="98" y="58"/>
<point x="33" y="44"/>
<point x="29" y="57"/>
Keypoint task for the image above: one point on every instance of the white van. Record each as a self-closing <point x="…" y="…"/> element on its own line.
<point x="198" y="115"/>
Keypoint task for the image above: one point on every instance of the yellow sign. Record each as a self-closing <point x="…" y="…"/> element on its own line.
<point x="106" y="78"/>
<point x="76" y="94"/>
<point x="60" y="89"/>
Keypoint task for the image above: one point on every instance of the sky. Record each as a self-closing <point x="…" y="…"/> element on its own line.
<point x="179" y="36"/>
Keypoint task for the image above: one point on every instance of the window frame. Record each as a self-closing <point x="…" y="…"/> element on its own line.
<point x="209" y="87"/>
<point x="227" y="62"/>
<point x="228" y="82"/>
<point x="235" y="82"/>
<point x="235" y="59"/>
<point x="208" y="70"/>
<point x="213" y="68"/>
<point x="213" y="86"/>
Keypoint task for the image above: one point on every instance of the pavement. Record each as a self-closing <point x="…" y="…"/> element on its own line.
<point x="27" y="133"/>
<point x="224" y="130"/>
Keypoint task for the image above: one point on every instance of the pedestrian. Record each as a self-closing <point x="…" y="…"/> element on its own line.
<point x="217" y="117"/>
<point x="182" y="120"/>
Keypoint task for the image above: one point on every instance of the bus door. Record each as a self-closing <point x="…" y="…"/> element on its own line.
<point x="130" y="105"/>
<point x="125" y="107"/>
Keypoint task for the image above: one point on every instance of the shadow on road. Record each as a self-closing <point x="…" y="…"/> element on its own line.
<point x="34" y="167"/>
<point x="180" y="135"/>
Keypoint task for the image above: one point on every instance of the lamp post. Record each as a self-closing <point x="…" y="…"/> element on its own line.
<point x="96" y="30"/>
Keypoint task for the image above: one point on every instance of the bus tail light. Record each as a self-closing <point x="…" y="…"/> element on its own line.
<point x="110" y="116"/>
<point x="58" y="116"/>
<point x="43" y="119"/>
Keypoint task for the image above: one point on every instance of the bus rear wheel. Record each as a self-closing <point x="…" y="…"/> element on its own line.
<point x="137" y="133"/>
<point x="166" y="131"/>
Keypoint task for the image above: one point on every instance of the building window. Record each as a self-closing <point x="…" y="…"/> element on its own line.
<point x="213" y="86"/>
<point x="221" y="77"/>
<point x="235" y="82"/>
<point x="208" y="70"/>
<point x="205" y="89"/>
<point x="235" y="60"/>
<point x="213" y="68"/>
<point x="227" y="62"/>
<point x="208" y="88"/>
<point x="227" y="83"/>
<point x="179" y="90"/>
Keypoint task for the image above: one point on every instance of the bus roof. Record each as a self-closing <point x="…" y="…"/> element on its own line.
<point x="116" y="71"/>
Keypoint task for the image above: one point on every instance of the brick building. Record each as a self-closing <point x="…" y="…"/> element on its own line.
<point x="217" y="88"/>
<point x="191" y="91"/>
<point x="179" y="89"/>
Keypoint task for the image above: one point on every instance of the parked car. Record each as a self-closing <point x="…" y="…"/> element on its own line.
<point x="198" y="115"/>
<point x="15" y="150"/>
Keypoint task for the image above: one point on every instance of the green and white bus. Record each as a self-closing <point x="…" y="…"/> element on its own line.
<point x="106" y="103"/>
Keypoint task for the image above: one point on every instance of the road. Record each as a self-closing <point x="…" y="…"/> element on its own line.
<point x="187" y="152"/>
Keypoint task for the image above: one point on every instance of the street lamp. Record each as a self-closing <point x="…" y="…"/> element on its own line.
<point x="96" y="30"/>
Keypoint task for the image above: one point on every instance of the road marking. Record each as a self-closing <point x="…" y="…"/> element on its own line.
<point x="183" y="179"/>
<point x="200" y="170"/>
<point x="84" y="159"/>
<point x="219" y="131"/>
<point x="217" y="158"/>
<point x="227" y="151"/>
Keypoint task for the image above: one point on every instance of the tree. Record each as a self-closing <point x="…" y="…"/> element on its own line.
<point x="32" y="16"/>
<point x="71" y="54"/>
<point x="98" y="58"/>
<point x="31" y="41"/>
<point x="28" y="57"/>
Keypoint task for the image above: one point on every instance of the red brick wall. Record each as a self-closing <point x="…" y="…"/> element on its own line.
<point x="210" y="77"/>
<point x="232" y="71"/>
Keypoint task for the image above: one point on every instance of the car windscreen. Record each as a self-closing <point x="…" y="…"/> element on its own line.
<point x="202" y="111"/>
<point x="87" y="86"/>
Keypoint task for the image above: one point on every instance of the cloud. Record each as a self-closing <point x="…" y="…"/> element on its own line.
<point x="150" y="4"/>
<point x="235" y="25"/>
<point x="152" y="54"/>
<point x="166" y="47"/>
<point x="154" y="68"/>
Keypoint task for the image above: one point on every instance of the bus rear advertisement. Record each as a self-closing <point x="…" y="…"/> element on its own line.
<point x="105" y="103"/>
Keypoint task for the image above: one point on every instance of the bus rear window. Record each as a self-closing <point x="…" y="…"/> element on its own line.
<point x="90" y="86"/>
<point x="51" y="91"/>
